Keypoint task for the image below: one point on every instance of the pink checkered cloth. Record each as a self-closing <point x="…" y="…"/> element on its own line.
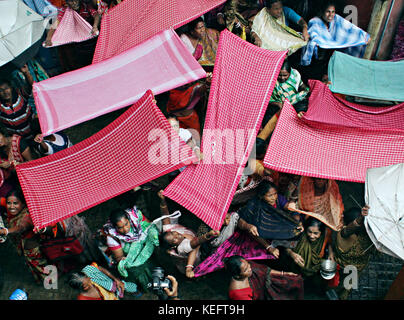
<point x="327" y="108"/>
<point x="335" y="140"/>
<point x="243" y="79"/>
<point x="133" y="21"/>
<point x="72" y="28"/>
<point x="159" y="64"/>
<point x="137" y="147"/>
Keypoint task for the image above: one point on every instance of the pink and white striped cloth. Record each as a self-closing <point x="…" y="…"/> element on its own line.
<point x="336" y="139"/>
<point x="137" y="147"/>
<point x="133" y="21"/>
<point x="72" y="28"/>
<point x="159" y="64"/>
<point x="243" y="79"/>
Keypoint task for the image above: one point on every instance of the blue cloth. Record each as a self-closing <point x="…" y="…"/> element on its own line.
<point x="342" y="34"/>
<point x="18" y="295"/>
<point x="380" y="80"/>
<point x="290" y="16"/>
<point x="42" y="7"/>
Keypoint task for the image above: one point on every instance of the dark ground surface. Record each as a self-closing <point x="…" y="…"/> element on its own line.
<point x="374" y="281"/>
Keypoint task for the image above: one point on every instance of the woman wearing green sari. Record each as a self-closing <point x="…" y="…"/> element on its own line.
<point x="310" y="250"/>
<point x="132" y="243"/>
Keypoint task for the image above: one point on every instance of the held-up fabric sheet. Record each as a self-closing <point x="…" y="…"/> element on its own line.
<point x="137" y="147"/>
<point x="370" y="79"/>
<point x="242" y="83"/>
<point x="341" y="35"/>
<point x="133" y="21"/>
<point x="72" y="28"/>
<point x="336" y="139"/>
<point x="160" y="64"/>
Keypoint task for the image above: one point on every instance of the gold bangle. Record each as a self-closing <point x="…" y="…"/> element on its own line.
<point x="165" y="206"/>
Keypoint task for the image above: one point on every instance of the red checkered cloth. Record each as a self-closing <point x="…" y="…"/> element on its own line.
<point x="243" y="79"/>
<point x="89" y="92"/>
<point x="133" y="21"/>
<point x="72" y="28"/>
<point x="332" y="143"/>
<point x="137" y="147"/>
<point x="327" y="108"/>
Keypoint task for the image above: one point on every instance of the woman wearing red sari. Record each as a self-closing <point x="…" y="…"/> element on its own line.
<point x="253" y="281"/>
<point x="202" y="43"/>
<point x="20" y="229"/>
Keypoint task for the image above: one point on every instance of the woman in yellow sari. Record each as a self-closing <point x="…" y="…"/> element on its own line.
<point x="201" y="42"/>
<point x="270" y="29"/>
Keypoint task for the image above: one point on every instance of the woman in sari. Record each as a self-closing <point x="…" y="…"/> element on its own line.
<point x="328" y="32"/>
<point x="322" y="197"/>
<point x="202" y="42"/>
<point x="238" y="13"/>
<point x="14" y="149"/>
<point x="309" y="251"/>
<point x="20" y="230"/>
<point x="97" y="283"/>
<point x="183" y="245"/>
<point x="253" y="281"/>
<point x="289" y="85"/>
<point x="73" y="56"/>
<point x="268" y="213"/>
<point x="352" y="245"/>
<point x="132" y="243"/>
<point x="271" y="28"/>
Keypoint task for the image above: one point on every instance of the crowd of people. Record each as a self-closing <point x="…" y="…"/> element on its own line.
<point x="269" y="249"/>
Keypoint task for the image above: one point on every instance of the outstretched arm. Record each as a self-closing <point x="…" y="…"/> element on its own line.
<point x="305" y="32"/>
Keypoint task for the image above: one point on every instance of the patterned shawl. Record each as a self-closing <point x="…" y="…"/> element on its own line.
<point x="311" y="252"/>
<point x="342" y="34"/>
<point x="358" y="254"/>
<point x="328" y="207"/>
<point x="138" y="252"/>
<point x="135" y="218"/>
<point x="274" y="287"/>
<point x="22" y="221"/>
<point x="209" y="43"/>
<point x="101" y="279"/>
<point x="272" y="223"/>
<point x="290" y="89"/>
<point x="274" y="33"/>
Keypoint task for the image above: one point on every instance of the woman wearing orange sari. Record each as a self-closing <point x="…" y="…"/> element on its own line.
<point x="322" y="197"/>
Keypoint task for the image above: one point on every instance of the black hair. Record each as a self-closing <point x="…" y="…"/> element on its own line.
<point x="270" y="3"/>
<point x="351" y="214"/>
<point x="325" y="5"/>
<point x="313" y="222"/>
<point x="163" y="241"/>
<point x="192" y="25"/>
<point x="5" y="81"/>
<point x="4" y="131"/>
<point x="16" y="193"/>
<point x="286" y="66"/>
<point x="75" y="280"/>
<point x="10" y="84"/>
<point x="264" y="187"/>
<point x="233" y="265"/>
<point x="260" y="148"/>
<point x="117" y="215"/>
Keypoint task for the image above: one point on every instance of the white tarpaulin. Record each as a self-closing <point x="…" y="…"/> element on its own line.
<point x="20" y="28"/>
<point x="384" y="194"/>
